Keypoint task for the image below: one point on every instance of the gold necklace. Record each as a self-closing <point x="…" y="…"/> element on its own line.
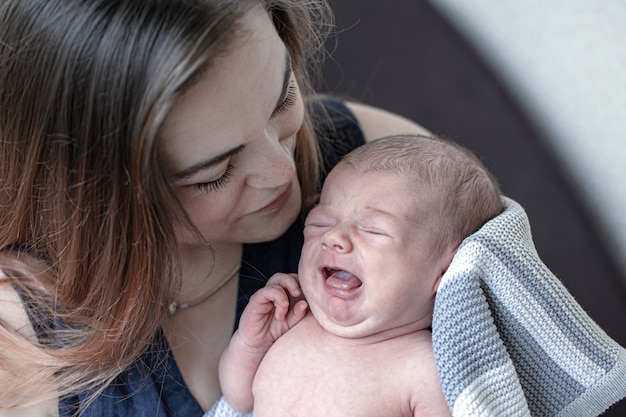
<point x="176" y="306"/>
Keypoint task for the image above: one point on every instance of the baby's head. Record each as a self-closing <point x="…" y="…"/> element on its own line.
<point x="453" y="191"/>
<point x="390" y="218"/>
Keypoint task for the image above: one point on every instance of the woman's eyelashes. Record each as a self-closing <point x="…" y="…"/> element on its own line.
<point x="216" y="184"/>
<point x="289" y="99"/>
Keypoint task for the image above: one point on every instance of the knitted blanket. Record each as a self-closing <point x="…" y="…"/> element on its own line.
<point x="510" y="340"/>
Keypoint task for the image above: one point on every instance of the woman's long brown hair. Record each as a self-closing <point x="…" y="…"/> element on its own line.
<point x="86" y="212"/>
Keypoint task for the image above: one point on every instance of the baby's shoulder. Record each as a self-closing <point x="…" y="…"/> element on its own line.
<point x="421" y="379"/>
<point x="418" y="349"/>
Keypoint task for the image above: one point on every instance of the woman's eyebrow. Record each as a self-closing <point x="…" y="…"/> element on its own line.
<point x="200" y="166"/>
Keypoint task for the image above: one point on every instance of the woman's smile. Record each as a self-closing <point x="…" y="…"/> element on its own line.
<point x="278" y="202"/>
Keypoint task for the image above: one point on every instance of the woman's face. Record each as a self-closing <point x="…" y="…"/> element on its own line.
<point x="229" y="141"/>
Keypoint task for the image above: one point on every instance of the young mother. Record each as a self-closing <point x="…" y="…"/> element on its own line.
<point x="156" y="157"/>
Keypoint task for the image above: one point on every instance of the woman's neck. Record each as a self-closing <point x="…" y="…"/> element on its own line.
<point x="198" y="334"/>
<point x="205" y="267"/>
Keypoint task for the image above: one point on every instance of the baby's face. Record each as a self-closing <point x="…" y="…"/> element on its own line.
<point x="366" y="267"/>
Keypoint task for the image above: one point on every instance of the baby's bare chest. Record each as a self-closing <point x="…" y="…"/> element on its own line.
<point x="299" y="379"/>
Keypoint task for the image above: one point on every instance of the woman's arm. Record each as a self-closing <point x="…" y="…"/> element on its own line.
<point x="13" y="317"/>
<point x="376" y="123"/>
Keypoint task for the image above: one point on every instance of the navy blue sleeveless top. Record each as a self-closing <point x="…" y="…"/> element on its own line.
<point x="153" y="386"/>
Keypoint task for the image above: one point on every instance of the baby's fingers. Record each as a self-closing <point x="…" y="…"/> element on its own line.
<point x="287" y="281"/>
<point x="267" y="299"/>
<point x="297" y="313"/>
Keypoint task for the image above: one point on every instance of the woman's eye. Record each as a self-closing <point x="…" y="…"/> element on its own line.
<point x="289" y="100"/>
<point x="218" y="183"/>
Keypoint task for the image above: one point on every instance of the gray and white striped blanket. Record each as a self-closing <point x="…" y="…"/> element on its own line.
<point x="510" y="340"/>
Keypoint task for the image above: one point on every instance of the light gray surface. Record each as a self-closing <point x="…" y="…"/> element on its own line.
<point x="565" y="61"/>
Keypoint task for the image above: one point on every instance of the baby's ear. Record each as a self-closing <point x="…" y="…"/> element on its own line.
<point x="444" y="261"/>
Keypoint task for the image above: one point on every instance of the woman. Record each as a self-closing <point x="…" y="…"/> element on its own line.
<point x="153" y="154"/>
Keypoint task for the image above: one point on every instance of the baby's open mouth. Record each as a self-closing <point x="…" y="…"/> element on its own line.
<point x="340" y="279"/>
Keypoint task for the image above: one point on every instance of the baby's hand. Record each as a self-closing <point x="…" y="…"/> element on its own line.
<point x="272" y="311"/>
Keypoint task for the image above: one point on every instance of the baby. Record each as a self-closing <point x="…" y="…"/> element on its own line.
<point x="390" y="218"/>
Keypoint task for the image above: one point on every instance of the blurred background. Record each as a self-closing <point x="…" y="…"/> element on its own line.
<point x="537" y="90"/>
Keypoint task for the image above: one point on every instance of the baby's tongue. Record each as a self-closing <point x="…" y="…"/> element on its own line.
<point x="343" y="280"/>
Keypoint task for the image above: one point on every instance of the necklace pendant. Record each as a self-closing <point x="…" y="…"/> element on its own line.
<point x="175" y="306"/>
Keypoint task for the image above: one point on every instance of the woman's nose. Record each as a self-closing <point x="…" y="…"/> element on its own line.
<point x="273" y="165"/>
<point x="337" y="239"/>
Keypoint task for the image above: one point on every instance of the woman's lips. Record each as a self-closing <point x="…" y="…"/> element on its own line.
<point x="278" y="202"/>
